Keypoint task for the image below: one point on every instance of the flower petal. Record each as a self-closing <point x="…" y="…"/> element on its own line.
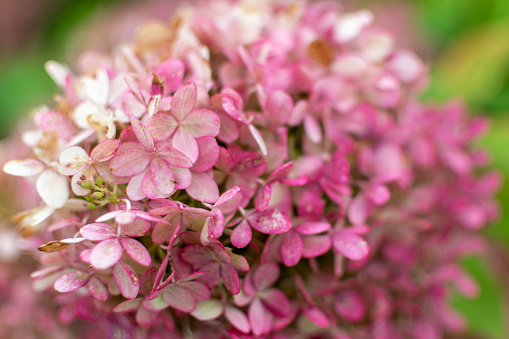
<point x="136" y="251"/>
<point x="315" y="245"/>
<point x="291" y="249"/>
<point x="161" y="125"/>
<point x="162" y="176"/>
<point x="72" y="160"/>
<point x="133" y="190"/>
<point x="171" y="73"/>
<point x="278" y="108"/>
<point x="106" y="253"/>
<point x="259" y="317"/>
<point x="241" y="235"/>
<point x="150" y="190"/>
<point x="276" y="302"/>
<point x="71" y="281"/>
<point x="208" y="309"/>
<point x="208" y="153"/>
<point x="129" y="162"/>
<point x="183" y="101"/>
<point x="237" y="318"/>
<point x="105" y="150"/>
<point x="350" y="245"/>
<point x="270" y="222"/>
<point x="53" y="188"/>
<point x="97" y="289"/>
<point x="142" y="133"/>
<point x="316" y="316"/>
<point x="203" y="188"/>
<point x="98" y="231"/>
<point x="202" y="123"/>
<point x="230" y="278"/>
<point x="136" y="228"/>
<point x="179" y="298"/>
<point x="266" y="275"/>
<point x="185" y="143"/>
<point x="250" y="164"/>
<point x="127" y="281"/>
<point x="23" y="168"/>
<point x="262" y="198"/>
<point x="173" y="156"/>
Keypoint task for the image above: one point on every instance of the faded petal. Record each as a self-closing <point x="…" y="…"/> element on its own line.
<point x="97" y="289"/>
<point x="179" y="298"/>
<point x="129" y="162"/>
<point x="105" y="150"/>
<point x="161" y="125"/>
<point x="271" y="222"/>
<point x="185" y="143"/>
<point x="202" y="123"/>
<point x="73" y="160"/>
<point x="98" y="231"/>
<point x="23" y="168"/>
<point x="183" y="101"/>
<point x="142" y="133"/>
<point x="230" y="278"/>
<point x="208" y="153"/>
<point x="173" y="156"/>
<point x="53" y="188"/>
<point x="162" y="175"/>
<point x="208" y="309"/>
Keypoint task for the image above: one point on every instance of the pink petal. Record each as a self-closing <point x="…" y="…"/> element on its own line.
<point x="359" y="210"/>
<point x="208" y="153"/>
<point x="179" y="298"/>
<point x="146" y="318"/>
<point x="202" y="123"/>
<point x="233" y="202"/>
<point x="290" y="250"/>
<point x="185" y="143"/>
<point x="350" y="306"/>
<point x="161" y="126"/>
<point x="237" y="318"/>
<point x="171" y="73"/>
<point x="232" y="108"/>
<point x="266" y="275"/>
<point x="250" y="164"/>
<point x="162" y="175"/>
<point x="276" y="302"/>
<point x="184" y="101"/>
<point x="313" y="129"/>
<point x="312" y="227"/>
<point x="106" y="253"/>
<point x="105" y="150"/>
<point x="133" y="190"/>
<point x="208" y="310"/>
<point x="259" y="317"/>
<point x="173" y="156"/>
<point x="183" y="177"/>
<point x="258" y="138"/>
<point x="150" y="190"/>
<point x="196" y="255"/>
<point x="270" y="222"/>
<point x="315" y="245"/>
<point x="199" y="291"/>
<point x="241" y="235"/>
<point x="127" y="281"/>
<point x="316" y="316"/>
<point x="163" y="232"/>
<point x="350" y="245"/>
<point x="278" y="108"/>
<point x="129" y="162"/>
<point x="128" y="306"/>
<point x="71" y="281"/>
<point x="262" y="198"/>
<point x="136" y="251"/>
<point x="98" y="231"/>
<point x="203" y="188"/>
<point x="229" y="131"/>
<point x="281" y="173"/>
<point x="97" y="289"/>
<point x="216" y="223"/>
<point x="137" y="228"/>
<point x="225" y="161"/>
<point x="230" y="278"/>
<point x="142" y="133"/>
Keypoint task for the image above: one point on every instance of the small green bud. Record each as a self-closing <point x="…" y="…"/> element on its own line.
<point x="91" y="206"/>
<point x="112" y="198"/>
<point x="97" y="195"/>
<point x="87" y="185"/>
<point x="99" y="181"/>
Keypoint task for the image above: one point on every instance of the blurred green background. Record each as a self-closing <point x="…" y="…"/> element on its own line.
<point x="464" y="42"/>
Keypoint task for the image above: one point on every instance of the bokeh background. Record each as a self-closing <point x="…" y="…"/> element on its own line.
<point x="465" y="43"/>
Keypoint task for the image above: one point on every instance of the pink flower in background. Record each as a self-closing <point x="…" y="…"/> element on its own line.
<point x="253" y="169"/>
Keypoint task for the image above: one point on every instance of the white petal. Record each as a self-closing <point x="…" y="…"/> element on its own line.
<point x="57" y="72"/>
<point x="96" y="88"/>
<point x="72" y="160"/>
<point x="23" y="168"/>
<point x="31" y="138"/>
<point x="82" y="112"/>
<point x="53" y="188"/>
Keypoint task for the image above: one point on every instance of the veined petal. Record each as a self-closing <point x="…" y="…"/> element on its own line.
<point x="202" y="123"/>
<point x="182" y="177"/>
<point x="72" y="160"/>
<point x="53" y="188"/>
<point x="105" y="150"/>
<point x="179" y="298"/>
<point x="185" y="143"/>
<point x="97" y="289"/>
<point x="98" y="231"/>
<point x="137" y="228"/>
<point x="136" y="251"/>
<point x="161" y="125"/>
<point x="149" y="188"/>
<point x="237" y="318"/>
<point x="173" y="156"/>
<point x="133" y="190"/>
<point x="23" y="168"/>
<point x="129" y="162"/>
<point x="230" y="278"/>
<point x="184" y="101"/>
<point x="162" y="175"/>
<point x="203" y="188"/>
<point x="142" y="133"/>
<point x="106" y="253"/>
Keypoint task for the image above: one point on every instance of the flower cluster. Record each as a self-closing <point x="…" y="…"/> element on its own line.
<point x="255" y="169"/>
